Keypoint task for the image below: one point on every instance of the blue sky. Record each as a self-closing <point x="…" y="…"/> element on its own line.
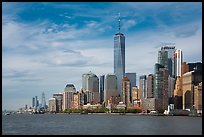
<point x="47" y="45"/>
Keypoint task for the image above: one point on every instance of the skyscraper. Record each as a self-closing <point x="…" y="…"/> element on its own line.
<point x="59" y="100"/>
<point x="68" y="96"/>
<point x="170" y="50"/>
<point x="101" y="87"/>
<point x="163" y="58"/>
<point x="126" y="91"/>
<point x="110" y="87"/>
<point x="132" y="78"/>
<point x="90" y="83"/>
<point x="119" y="56"/>
<point x="143" y="86"/>
<point x="150" y="86"/>
<point x="178" y="59"/>
<point x="43" y="101"/>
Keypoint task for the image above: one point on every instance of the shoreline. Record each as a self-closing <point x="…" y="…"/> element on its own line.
<point x="127" y="114"/>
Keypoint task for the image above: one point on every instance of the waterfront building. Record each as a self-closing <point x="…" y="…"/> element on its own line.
<point x="121" y="105"/>
<point x="52" y="105"/>
<point x="198" y="98"/>
<point x="90" y="82"/>
<point x="136" y="96"/>
<point x="89" y="97"/>
<point x="178" y="93"/>
<point x="68" y="96"/>
<point x="101" y="88"/>
<point x="171" y="86"/>
<point x="83" y="98"/>
<point x="149" y="104"/>
<point x="119" y="57"/>
<point x="132" y="78"/>
<point x="33" y="102"/>
<point x="76" y="104"/>
<point x="36" y="102"/>
<point x="187" y="90"/>
<point x="43" y="101"/>
<point x="110" y="87"/>
<point x="126" y="91"/>
<point x="178" y="59"/>
<point x="190" y="79"/>
<point x="157" y="81"/>
<point x="114" y="101"/>
<point x="161" y="86"/>
<point x="150" y="86"/>
<point x="143" y="86"/>
<point x="164" y="85"/>
<point x="91" y="106"/>
<point x="59" y="101"/>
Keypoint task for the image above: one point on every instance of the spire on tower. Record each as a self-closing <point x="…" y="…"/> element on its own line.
<point x="119" y="22"/>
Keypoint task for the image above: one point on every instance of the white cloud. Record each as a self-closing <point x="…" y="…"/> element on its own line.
<point x="128" y="24"/>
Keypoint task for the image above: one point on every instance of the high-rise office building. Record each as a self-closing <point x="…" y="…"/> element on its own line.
<point x="52" y="105"/>
<point x="90" y="82"/>
<point x="126" y="91"/>
<point x="164" y="84"/>
<point x="36" y="102"/>
<point x="170" y="50"/>
<point x="150" y="86"/>
<point x="171" y="86"/>
<point x="143" y="86"/>
<point x="163" y="58"/>
<point x="33" y="102"/>
<point x="110" y="87"/>
<point x="68" y="96"/>
<point x="157" y="81"/>
<point x="178" y="59"/>
<point x="43" y="101"/>
<point x="101" y="87"/>
<point x="132" y="78"/>
<point x="59" y="101"/>
<point x="119" y="56"/>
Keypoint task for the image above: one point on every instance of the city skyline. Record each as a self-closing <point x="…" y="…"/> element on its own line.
<point x="45" y="52"/>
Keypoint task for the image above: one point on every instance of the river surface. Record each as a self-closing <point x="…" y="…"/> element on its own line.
<point x="99" y="124"/>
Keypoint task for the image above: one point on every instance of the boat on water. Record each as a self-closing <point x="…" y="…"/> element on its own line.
<point x="6" y="114"/>
<point x="83" y="112"/>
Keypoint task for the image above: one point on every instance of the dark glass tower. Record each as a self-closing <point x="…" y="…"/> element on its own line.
<point x="119" y="57"/>
<point x="101" y="89"/>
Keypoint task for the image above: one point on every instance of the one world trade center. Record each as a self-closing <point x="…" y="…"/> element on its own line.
<point x="119" y="57"/>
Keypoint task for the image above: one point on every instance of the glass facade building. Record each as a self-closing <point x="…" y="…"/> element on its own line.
<point x="110" y="87"/>
<point x="170" y="50"/>
<point x="119" y="58"/>
<point x="90" y="82"/>
<point x="157" y="81"/>
<point x="101" y="87"/>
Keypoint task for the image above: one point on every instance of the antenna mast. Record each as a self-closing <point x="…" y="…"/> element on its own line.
<point x="119" y="22"/>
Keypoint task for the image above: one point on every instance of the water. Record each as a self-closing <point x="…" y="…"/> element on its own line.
<point x="99" y="124"/>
